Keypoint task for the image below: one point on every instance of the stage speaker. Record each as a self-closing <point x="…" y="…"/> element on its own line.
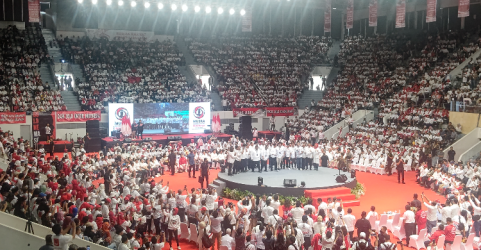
<point x="207" y="131"/>
<point x="260" y="181"/>
<point x="245" y="120"/>
<point x="127" y="140"/>
<point x="290" y="182"/>
<point x="147" y="138"/>
<point x="93" y="132"/>
<point x="353" y="173"/>
<point x="341" y="178"/>
<point x="93" y="124"/>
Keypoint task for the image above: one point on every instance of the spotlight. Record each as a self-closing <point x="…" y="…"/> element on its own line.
<point x="220" y="10"/>
<point x="242" y="12"/>
<point x="232" y="11"/>
<point x="160" y="6"/>
<point x="121" y="3"/>
<point x="334" y="8"/>
<point x="109" y="2"/>
<point x="94" y="2"/>
<point x="208" y="9"/>
<point x="133" y="3"/>
<point x="147" y="5"/>
<point x="80" y="1"/>
<point x="197" y="8"/>
<point x="184" y="8"/>
<point x="173" y="6"/>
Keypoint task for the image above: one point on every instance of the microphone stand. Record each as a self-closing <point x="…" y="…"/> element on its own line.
<point x="28" y="225"/>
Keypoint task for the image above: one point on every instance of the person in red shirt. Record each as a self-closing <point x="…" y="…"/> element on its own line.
<point x="449" y="231"/>
<point x="421" y="219"/>
<point x="433" y="239"/>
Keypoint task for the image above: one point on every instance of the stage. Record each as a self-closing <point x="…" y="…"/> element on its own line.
<point x="325" y="178"/>
<point x="60" y="146"/>
<point x="162" y="139"/>
<point x="270" y="134"/>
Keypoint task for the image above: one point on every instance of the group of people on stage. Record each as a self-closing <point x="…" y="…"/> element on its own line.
<point x="137" y="130"/>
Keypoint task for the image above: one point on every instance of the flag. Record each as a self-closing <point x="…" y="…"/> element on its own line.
<point x="126" y="127"/>
<point x="219" y="123"/>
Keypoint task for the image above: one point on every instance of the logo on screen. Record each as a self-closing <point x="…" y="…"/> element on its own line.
<point x="199" y="112"/>
<point x="121" y="112"/>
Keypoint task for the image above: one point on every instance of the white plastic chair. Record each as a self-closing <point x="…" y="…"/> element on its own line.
<point x="394" y="221"/>
<point x="382" y="222"/>
<point x="193" y="233"/>
<point x="456" y="243"/>
<point x="399" y="231"/>
<point x="363" y="168"/>
<point x="184" y="231"/>
<point x="440" y="244"/>
<point x="469" y="243"/>
<point x="417" y="241"/>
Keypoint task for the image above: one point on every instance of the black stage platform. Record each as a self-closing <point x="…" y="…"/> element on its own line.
<point x="325" y="178"/>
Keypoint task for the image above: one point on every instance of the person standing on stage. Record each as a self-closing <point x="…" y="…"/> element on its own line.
<point x="204" y="173"/>
<point x="272" y="157"/>
<point x="172" y="161"/>
<point x="280" y="155"/>
<point x="264" y="157"/>
<point x="255" y="155"/>
<point x="48" y="131"/>
<point x="134" y="130"/>
<point x="400" y="170"/>
<point x="272" y="122"/>
<point x="255" y="133"/>
<point x="87" y="142"/>
<point x="389" y="160"/>
<point x="231" y="158"/>
<point x="140" y="129"/>
<point x="191" y="158"/>
<point x="237" y="163"/>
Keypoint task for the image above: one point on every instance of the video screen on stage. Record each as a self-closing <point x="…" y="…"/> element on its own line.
<point x="161" y="118"/>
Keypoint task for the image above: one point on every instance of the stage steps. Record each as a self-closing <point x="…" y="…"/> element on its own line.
<point x="343" y="193"/>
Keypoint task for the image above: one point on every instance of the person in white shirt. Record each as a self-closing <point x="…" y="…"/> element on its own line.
<point x="409" y="223"/>
<point x="267" y="211"/>
<point x="255" y="155"/>
<point x="306" y="230"/>
<point x="349" y="221"/>
<point x="227" y="240"/>
<point x="61" y="239"/>
<point x="446" y="212"/>
<point x="372" y="213"/>
<point x="297" y="212"/>
<point x="432" y="217"/>
<point x="173" y="227"/>
<point x="216" y="228"/>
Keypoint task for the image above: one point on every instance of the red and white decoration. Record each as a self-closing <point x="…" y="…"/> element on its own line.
<point x="431" y="11"/>
<point x="327" y="17"/>
<point x="401" y="14"/>
<point x="126" y="128"/>
<point x="373" y="13"/>
<point x="463" y="8"/>
<point x="216" y="124"/>
<point x="350" y="14"/>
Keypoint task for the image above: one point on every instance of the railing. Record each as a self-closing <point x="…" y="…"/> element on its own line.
<point x="465" y="144"/>
<point x="471" y="153"/>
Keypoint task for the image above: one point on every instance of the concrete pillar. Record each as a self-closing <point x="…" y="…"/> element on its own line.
<point x="415" y="20"/>
<point x="462" y="22"/>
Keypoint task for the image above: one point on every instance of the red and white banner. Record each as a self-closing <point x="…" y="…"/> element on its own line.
<point x="247" y="21"/>
<point x="431" y="11"/>
<point x="350" y="14"/>
<point x="463" y="8"/>
<point x="13" y="117"/>
<point x="287" y="111"/>
<point x="34" y="11"/>
<point x="126" y="35"/>
<point x="77" y="116"/>
<point x="373" y="13"/>
<point x="327" y="16"/>
<point x="254" y="112"/>
<point x="401" y="14"/>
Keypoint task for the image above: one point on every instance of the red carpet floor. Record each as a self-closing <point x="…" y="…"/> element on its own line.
<point x="381" y="191"/>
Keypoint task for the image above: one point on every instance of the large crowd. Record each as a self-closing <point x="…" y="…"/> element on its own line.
<point x="22" y="53"/>
<point x="129" y="71"/>
<point x="261" y="71"/>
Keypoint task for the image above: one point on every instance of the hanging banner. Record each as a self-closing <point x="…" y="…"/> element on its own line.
<point x="276" y="111"/>
<point x="39" y="124"/>
<point x="401" y="14"/>
<point x="373" y="13"/>
<point x="247" y="21"/>
<point x="34" y="11"/>
<point x="126" y="35"/>
<point x="463" y="8"/>
<point x="254" y="112"/>
<point x="350" y="14"/>
<point x="327" y="16"/>
<point x="431" y="11"/>
<point x="13" y="117"/>
<point x="77" y="116"/>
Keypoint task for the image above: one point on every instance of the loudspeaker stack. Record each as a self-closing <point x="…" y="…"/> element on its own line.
<point x="94" y="145"/>
<point x="245" y="130"/>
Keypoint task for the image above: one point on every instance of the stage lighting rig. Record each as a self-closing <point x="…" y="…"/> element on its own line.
<point x="147" y="5"/>
<point x="220" y="10"/>
<point x="232" y="11"/>
<point x="108" y="2"/>
<point x="196" y="8"/>
<point x="133" y="3"/>
<point x="173" y="7"/>
<point x="184" y="8"/>
<point x="208" y="9"/>
<point x="160" y="6"/>
<point x="242" y="12"/>
<point x="121" y="2"/>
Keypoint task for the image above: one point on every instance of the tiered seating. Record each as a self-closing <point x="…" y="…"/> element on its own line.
<point x="261" y="71"/>
<point x="128" y="71"/>
<point x="22" y="52"/>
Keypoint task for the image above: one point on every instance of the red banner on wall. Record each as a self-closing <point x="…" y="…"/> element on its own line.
<point x="327" y="16"/>
<point x="373" y="13"/>
<point x="350" y="14"/>
<point x="13" y="117"/>
<point x="34" y="11"/>
<point x="463" y="8"/>
<point x="77" y="116"/>
<point x="255" y="112"/>
<point x="431" y="11"/>
<point x="401" y="14"/>
<point x="287" y="111"/>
